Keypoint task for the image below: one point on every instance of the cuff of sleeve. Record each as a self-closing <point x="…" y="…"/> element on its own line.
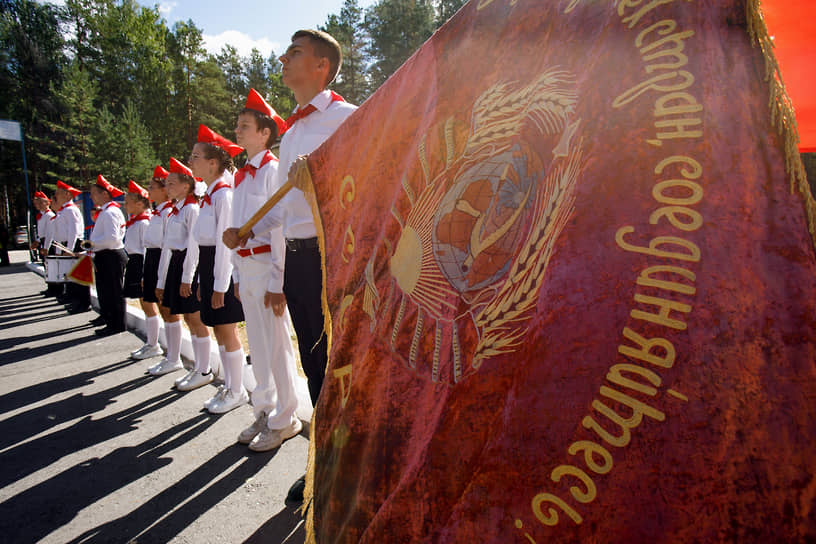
<point x="275" y="284"/>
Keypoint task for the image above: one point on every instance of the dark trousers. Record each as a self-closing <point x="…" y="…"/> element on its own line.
<point x="303" y="285"/>
<point x="110" y="270"/>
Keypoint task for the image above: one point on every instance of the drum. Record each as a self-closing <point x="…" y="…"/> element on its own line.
<point x="56" y="268"/>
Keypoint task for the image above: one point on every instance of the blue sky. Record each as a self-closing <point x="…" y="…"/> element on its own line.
<point x="265" y="24"/>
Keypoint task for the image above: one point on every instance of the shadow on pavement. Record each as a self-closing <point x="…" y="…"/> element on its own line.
<point x="40" y="391"/>
<point x="161" y="518"/>
<point x="286" y="522"/>
<point x="43" y="508"/>
<point x="29" y="457"/>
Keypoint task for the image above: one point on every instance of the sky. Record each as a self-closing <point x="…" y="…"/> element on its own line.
<point x="244" y="24"/>
<point x="264" y="24"/>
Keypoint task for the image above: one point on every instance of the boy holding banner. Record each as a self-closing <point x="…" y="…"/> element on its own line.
<point x="310" y="64"/>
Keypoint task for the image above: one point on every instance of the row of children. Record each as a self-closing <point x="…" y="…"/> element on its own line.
<point x="196" y="267"/>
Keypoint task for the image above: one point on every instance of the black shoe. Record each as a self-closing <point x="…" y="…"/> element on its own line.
<point x="295" y="495"/>
<point x="108" y="331"/>
<point x="97" y="321"/>
<point x="74" y="309"/>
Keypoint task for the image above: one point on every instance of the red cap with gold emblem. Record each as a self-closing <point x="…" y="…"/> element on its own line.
<point x="74" y="191"/>
<point x="256" y="102"/>
<point x="206" y="135"/>
<point x="105" y="184"/>
<point x="137" y="189"/>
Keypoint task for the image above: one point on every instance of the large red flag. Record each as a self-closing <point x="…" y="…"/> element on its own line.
<point x="792" y="27"/>
<point x="571" y="293"/>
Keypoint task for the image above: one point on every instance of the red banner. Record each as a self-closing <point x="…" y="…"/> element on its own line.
<point x="572" y="295"/>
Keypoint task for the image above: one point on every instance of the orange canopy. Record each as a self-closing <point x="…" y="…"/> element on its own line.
<point x="792" y="26"/>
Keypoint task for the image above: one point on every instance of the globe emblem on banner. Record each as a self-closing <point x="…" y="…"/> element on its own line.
<point x="474" y="246"/>
<point x="481" y="220"/>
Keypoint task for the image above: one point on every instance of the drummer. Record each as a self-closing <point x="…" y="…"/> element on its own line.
<point x="109" y="256"/>
<point x="44" y="215"/>
<point x="67" y="229"/>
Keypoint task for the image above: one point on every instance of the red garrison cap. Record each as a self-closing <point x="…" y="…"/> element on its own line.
<point x="206" y="135"/>
<point x="40" y="194"/>
<point x="160" y="172"/>
<point x="105" y="184"/>
<point x="74" y="192"/>
<point x="135" y="188"/>
<point x="256" y="102"/>
<point x="178" y="168"/>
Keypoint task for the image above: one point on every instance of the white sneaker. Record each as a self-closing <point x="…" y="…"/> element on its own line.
<point x="230" y="401"/>
<point x="218" y="397"/>
<point x="165" y="367"/>
<point x="252" y="431"/>
<point x="155" y="366"/>
<point x="147" y="351"/>
<point x="195" y="381"/>
<point x="269" y="439"/>
<point x="181" y="379"/>
<point x="141" y="349"/>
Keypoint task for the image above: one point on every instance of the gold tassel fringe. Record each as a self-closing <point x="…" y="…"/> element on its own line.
<point x="307" y="186"/>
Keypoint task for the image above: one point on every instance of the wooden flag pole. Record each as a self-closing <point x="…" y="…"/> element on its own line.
<point x="279" y="194"/>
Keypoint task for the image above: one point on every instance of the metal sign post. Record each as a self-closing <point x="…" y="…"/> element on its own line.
<point x="12" y="130"/>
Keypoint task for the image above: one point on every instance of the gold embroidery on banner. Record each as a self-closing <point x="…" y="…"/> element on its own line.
<point x="476" y="240"/>
<point x="347" y="191"/>
<point x="344" y="375"/>
<point x="348" y="244"/>
<point x="347" y="300"/>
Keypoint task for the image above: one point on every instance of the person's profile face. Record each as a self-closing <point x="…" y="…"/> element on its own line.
<point x="300" y="63"/>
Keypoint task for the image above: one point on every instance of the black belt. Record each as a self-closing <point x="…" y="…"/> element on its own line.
<point x="299" y="244"/>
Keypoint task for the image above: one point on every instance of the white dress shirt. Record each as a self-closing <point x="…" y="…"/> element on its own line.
<point x="67" y="227"/>
<point x="135" y="233"/>
<point x="44" y="223"/>
<point x="306" y="135"/>
<point x="213" y="219"/>
<point x="154" y="235"/>
<point x="178" y="235"/>
<point x="109" y="228"/>
<point x="247" y="198"/>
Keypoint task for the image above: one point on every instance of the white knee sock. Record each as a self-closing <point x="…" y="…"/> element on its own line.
<point x="152" y="325"/>
<point x="173" y="332"/>
<point x="233" y="362"/>
<point x="201" y="352"/>
<point x="221" y="373"/>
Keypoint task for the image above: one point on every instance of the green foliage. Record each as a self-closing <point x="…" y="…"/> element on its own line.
<point x="105" y="86"/>
<point x="396" y="28"/>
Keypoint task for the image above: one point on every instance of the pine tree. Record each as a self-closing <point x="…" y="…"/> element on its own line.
<point x="396" y="28"/>
<point x="353" y="82"/>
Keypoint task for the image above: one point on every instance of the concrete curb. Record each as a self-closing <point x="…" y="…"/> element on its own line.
<point x="136" y="324"/>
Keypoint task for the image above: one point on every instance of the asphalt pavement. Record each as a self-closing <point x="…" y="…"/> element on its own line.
<point x="93" y="449"/>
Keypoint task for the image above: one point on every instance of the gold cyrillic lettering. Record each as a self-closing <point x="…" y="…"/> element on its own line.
<point x="693" y="254"/>
<point x="579" y="495"/>
<point x="615" y="376"/>
<point x="679" y="126"/>
<point x="693" y="174"/>
<point x="672" y="213"/>
<point x="634" y="19"/>
<point x="551" y="518"/>
<point x="645" y="346"/>
<point x="661" y="318"/>
<point x="655" y="84"/>
<point x="686" y="103"/>
<point x="590" y="449"/>
<point x="658" y="192"/>
<point x="675" y="51"/>
<point x="645" y="278"/>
